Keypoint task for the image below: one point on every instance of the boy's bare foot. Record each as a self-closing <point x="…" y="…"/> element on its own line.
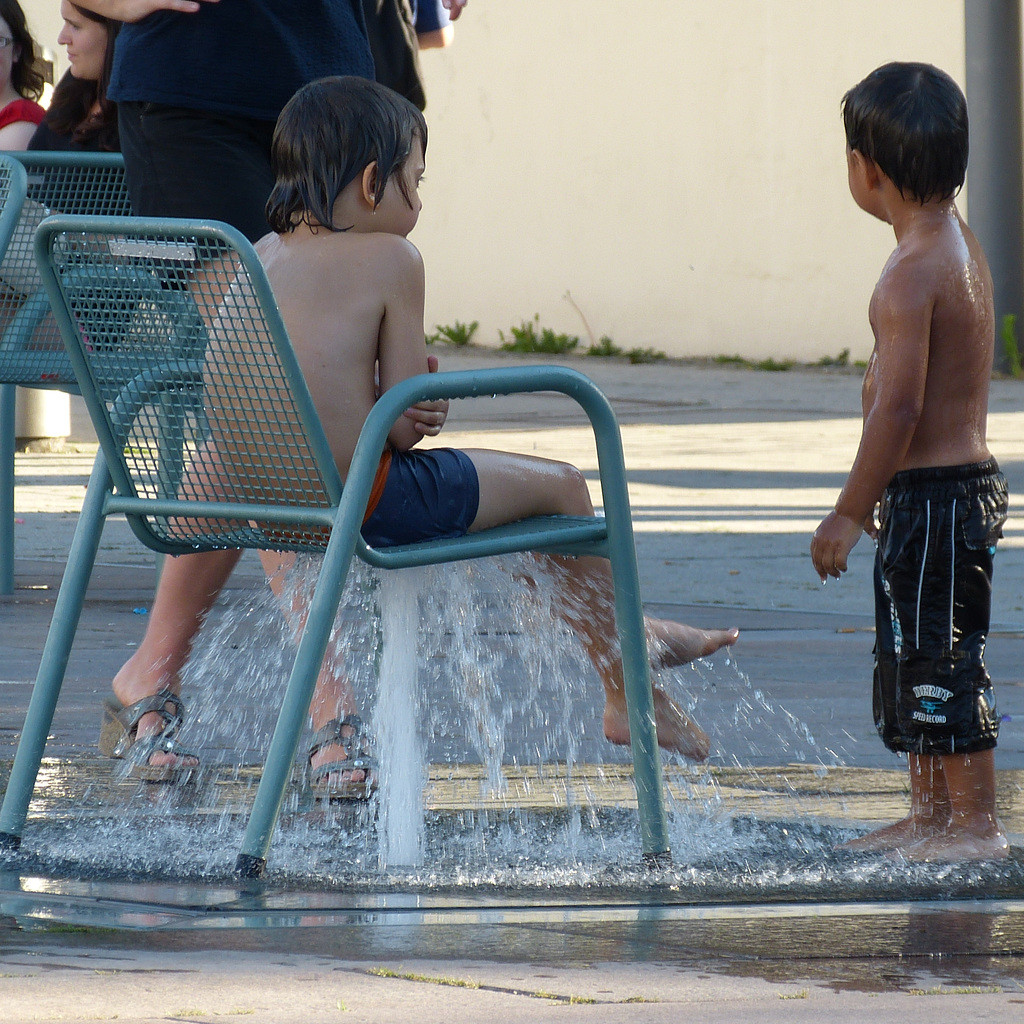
<point x="131" y="685"/>
<point x="921" y="840"/>
<point x="952" y="847"/>
<point x="676" y="730"/>
<point x="891" y="837"/>
<point x="675" y="643"/>
<point x="670" y="644"/>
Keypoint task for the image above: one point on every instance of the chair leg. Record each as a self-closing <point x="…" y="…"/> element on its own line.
<point x="54" y="661"/>
<point x="252" y="859"/>
<point x="636" y="671"/>
<point x="7" y="399"/>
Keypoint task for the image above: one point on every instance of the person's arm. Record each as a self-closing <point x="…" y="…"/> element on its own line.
<point x="17" y="135"/>
<point x="434" y="29"/>
<point x="429" y="417"/>
<point x="436" y="39"/>
<point x="454" y="7"/>
<point x="902" y="323"/>
<point x="136" y="10"/>
<point x="401" y="346"/>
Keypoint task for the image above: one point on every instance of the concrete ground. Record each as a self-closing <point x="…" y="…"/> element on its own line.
<point x="730" y="471"/>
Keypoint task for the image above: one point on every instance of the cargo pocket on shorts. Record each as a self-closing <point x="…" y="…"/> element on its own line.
<point x="980" y="521"/>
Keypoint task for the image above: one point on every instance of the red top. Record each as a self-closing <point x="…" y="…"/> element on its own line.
<point x="21" y="110"/>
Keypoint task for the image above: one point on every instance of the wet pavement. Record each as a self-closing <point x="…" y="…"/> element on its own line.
<point x="730" y="470"/>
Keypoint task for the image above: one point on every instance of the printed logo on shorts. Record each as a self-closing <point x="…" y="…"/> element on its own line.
<point x="929" y="690"/>
<point x="932" y="698"/>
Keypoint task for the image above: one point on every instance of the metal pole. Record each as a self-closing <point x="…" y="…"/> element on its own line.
<point x="996" y="184"/>
<point x="7" y="393"/>
<point x="54" y="661"/>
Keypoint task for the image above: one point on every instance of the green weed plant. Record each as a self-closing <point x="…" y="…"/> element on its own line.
<point x="458" y="334"/>
<point x="1011" y="349"/>
<point x="529" y="336"/>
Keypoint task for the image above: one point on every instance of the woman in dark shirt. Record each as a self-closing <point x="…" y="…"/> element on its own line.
<point x="81" y="117"/>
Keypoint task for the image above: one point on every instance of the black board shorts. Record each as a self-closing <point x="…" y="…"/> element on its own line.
<point x="933" y="597"/>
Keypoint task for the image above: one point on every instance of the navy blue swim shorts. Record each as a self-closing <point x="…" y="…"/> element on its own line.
<point x="428" y="495"/>
<point x="933" y="599"/>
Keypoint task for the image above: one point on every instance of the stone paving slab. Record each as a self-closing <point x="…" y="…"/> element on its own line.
<point x="844" y="796"/>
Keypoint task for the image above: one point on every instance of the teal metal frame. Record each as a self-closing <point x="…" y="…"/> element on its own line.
<point x="33" y="183"/>
<point x="13" y="186"/>
<point x="120" y="381"/>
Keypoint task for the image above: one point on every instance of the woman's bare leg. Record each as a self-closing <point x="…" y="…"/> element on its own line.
<point x="188" y="586"/>
<point x="516" y="486"/>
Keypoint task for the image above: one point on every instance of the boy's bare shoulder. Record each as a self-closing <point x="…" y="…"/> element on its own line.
<point x="374" y="253"/>
<point x="376" y="245"/>
<point x="357" y="256"/>
<point x="929" y="268"/>
<point x="373" y="245"/>
<point x="392" y="250"/>
<point x="926" y="260"/>
<point x="909" y="281"/>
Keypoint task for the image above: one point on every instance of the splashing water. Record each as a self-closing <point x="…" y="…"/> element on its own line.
<point x="396" y="723"/>
<point x="482" y="680"/>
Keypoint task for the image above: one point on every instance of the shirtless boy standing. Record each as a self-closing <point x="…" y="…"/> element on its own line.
<point x="923" y="454"/>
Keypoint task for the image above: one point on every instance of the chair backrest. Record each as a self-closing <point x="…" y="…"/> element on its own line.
<point x="191" y="382"/>
<point x="13" y="188"/>
<point x="34" y="185"/>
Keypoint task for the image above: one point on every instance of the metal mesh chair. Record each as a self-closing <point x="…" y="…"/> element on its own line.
<point x="209" y="439"/>
<point x="32" y="186"/>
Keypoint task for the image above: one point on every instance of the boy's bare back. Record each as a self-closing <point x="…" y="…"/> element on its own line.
<point x="350" y="300"/>
<point x="925" y="393"/>
<point x="933" y="319"/>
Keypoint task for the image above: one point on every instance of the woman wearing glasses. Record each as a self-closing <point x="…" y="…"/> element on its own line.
<point x="21" y="79"/>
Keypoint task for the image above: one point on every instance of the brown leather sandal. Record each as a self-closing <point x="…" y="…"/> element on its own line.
<point x="350" y="734"/>
<point x="119" y="736"/>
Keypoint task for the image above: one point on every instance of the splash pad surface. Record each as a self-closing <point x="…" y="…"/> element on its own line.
<point x="723" y="517"/>
<point x="106" y="853"/>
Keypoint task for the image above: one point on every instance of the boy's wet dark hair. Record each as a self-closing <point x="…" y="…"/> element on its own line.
<point x="328" y="132"/>
<point x="911" y="119"/>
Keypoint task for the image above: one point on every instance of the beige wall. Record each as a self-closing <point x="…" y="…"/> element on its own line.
<point x="677" y="165"/>
<point x="44" y="23"/>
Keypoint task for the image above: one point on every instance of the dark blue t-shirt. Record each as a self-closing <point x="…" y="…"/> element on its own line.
<point x="242" y="57"/>
<point x="430" y="15"/>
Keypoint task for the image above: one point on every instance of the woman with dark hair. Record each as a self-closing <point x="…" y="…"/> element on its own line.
<point x="81" y="116"/>
<point x="21" y="79"/>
